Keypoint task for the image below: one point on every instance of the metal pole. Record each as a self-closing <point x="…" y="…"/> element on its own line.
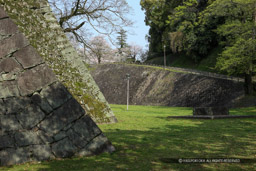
<point x="128" y="94"/>
<point x="128" y="82"/>
<point x="164" y="58"/>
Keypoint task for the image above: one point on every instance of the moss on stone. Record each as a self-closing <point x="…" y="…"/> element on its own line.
<point x="53" y="46"/>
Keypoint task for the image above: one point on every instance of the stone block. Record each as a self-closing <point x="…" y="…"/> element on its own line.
<point x="2" y="107"/>
<point x="86" y="128"/>
<point x="14" y="156"/>
<point x="47" y="139"/>
<point x="6" y="142"/>
<point x="67" y="127"/>
<point x="83" y="131"/>
<point x="7" y="27"/>
<point x="56" y="94"/>
<point x="9" y="76"/>
<point x="42" y="103"/>
<point x="96" y="146"/>
<point x="35" y="79"/>
<point x="61" y="117"/>
<point x="9" y="65"/>
<point x="63" y="148"/>
<point x="27" y="138"/>
<point x="9" y="123"/>
<point x="11" y="44"/>
<point x="30" y="117"/>
<point x="28" y="57"/>
<point x="41" y="152"/>
<point x="2" y="13"/>
<point x="60" y="135"/>
<point x="76" y="139"/>
<point x="210" y="111"/>
<point x="15" y="105"/>
<point x="9" y="89"/>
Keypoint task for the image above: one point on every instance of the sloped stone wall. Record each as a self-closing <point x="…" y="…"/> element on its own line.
<point x="39" y="118"/>
<point x="35" y="19"/>
<point x="153" y="86"/>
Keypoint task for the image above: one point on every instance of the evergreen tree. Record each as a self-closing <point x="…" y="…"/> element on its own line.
<point x="177" y="23"/>
<point x="121" y="39"/>
<point x="157" y="13"/>
<point x="188" y="33"/>
<point x="197" y="26"/>
<point x="238" y="35"/>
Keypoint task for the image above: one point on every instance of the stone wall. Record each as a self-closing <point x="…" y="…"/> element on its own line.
<point x="154" y="86"/>
<point x="35" y="19"/>
<point x="39" y="118"/>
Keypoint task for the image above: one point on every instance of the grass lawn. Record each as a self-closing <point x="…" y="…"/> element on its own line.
<point x="146" y="140"/>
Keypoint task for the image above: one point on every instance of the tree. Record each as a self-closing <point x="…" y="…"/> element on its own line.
<point x="77" y="17"/>
<point x="178" y="23"/>
<point x="135" y="51"/>
<point x="188" y="33"/>
<point x="238" y="34"/>
<point x="100" y="49"/>
<point x="156" y="17"/>
<point x="144" y="56"/>
<point x="121" y="40"/>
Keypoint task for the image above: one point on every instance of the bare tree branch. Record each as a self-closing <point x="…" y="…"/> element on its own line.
<point x="106" y="17"/>
<point x="74" y="29"/>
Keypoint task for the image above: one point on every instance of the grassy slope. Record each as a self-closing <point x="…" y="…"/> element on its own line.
<point x="146" y="140"/>
<point x="181" y="60"/>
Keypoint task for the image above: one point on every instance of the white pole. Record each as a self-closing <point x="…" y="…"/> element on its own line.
<point x="128" y="93"/>
<point x="164" y="58"/>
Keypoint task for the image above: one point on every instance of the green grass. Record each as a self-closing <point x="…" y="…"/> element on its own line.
<point x="174" y="60"/>
<point x="208" y="63"/>
<point x="157" y="67"/>
<point x="183" y="61"/>
<point x="244" y="111"/>
<point x="146" y="140"/>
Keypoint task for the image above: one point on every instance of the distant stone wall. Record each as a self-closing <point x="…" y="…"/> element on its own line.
<point x="154" y="86"/>
<point x="35" y="19"/>
<point x="39" y="118"/>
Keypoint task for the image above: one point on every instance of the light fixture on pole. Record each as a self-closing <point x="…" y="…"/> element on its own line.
<point x="128" y="79"/>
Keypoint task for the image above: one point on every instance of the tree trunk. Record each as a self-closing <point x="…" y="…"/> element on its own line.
<point x="248" y="85"/>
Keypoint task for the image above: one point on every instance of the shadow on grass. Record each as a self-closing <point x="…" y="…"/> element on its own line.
<point x="144" y="150"/>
